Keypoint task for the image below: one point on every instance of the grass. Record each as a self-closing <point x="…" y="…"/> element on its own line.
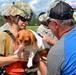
<point x="32" y="27"/>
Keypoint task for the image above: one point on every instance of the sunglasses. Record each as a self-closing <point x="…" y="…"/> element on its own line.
<point x="24" y="19"/>
<point x="50" y="20"/>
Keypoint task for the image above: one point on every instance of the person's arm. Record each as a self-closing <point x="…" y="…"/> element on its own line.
<point x="41" y="64"/>
<point x="8" y="60"/>
<point x="42" y="67"/>
<point x="49" y="40"/>
<point x="21" y="56"/>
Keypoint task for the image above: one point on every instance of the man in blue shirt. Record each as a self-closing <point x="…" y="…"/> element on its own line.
<point x="61" y="58"/>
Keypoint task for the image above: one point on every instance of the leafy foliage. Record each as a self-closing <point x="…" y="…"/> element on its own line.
<point x="2" y="21"/>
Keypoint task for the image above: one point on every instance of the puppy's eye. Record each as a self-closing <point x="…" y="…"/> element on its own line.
<point x="26" y="41"/>
<point x="17" y="36"/>
<point x="20" y="40"/>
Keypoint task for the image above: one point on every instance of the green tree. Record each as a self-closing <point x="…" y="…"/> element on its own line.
<point x="34" y="21"/>
<point x="2" y="21"/>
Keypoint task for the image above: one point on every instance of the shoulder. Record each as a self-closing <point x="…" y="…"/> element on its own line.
<point x="57" y="50"/>
<point x="5" y="27"/>
<point x="2" y="34"/>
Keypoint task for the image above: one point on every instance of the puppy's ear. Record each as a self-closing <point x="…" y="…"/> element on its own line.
<point x="34" y="41"/>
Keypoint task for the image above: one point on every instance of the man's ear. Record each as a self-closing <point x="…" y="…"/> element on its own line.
<point x="56" y="24"/>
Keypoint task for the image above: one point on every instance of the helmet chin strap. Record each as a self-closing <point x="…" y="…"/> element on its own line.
<point x="16" y="22"/>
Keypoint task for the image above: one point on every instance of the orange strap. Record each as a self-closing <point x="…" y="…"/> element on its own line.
<point x="16" y="47"/>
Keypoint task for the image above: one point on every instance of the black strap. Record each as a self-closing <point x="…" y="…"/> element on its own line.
<point x="12" y="36"/>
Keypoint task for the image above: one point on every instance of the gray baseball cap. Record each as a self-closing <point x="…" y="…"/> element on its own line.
<point x="61" y="11"/>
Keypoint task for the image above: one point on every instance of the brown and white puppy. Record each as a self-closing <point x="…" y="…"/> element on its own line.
<point x="32" y="42"/>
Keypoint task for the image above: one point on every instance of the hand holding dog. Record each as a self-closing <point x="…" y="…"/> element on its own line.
<point x="23" y="55"/>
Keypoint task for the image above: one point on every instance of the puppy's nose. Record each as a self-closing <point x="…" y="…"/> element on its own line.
<point x="18" y="40"/>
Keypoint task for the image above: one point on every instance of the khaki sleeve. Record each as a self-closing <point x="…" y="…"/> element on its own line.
<point x="2" y="42"/>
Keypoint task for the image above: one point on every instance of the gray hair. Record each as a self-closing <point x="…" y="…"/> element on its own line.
<point x="69" y="22"/>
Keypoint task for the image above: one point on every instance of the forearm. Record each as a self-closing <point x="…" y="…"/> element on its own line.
<point x="41" y="62"/>
<point x="20" y="56"/>
<point x="42" y="67"/>
<point x="8" y="60"/>
<point x="49" y="40"/>
<point x="52" y="42"/>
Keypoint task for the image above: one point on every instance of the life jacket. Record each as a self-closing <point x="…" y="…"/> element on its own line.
<point x="17" y="68"/>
